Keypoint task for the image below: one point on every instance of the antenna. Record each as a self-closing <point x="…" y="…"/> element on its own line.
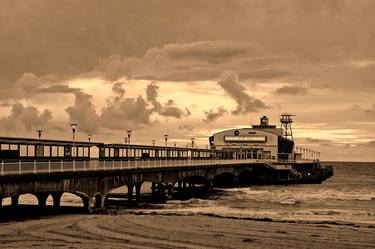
<point x="286" y="120"/>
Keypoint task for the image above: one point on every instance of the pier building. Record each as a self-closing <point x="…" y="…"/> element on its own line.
<point x="263" y="141"/>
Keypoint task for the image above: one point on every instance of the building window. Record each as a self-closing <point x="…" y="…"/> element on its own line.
<point x="23" y="150"/>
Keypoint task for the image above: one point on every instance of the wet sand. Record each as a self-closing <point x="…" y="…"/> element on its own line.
<point x="133" y="229"/>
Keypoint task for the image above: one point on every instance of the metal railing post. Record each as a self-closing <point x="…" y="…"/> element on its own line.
<point x="84" y="165"/>
<point x="113" y="164"/>
<point x="74" y="165"/>
<point x="135" y="164"/>
<point x="49" y="166"/>
<point x="34" y="167"/>
<point x="121" y="164"/>
<point x="62" y="166"/>
<point x="2" y="167"/>
<point x="19" y="167"/>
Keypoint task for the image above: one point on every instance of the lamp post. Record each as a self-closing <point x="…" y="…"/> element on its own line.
<point x="89" y="137"/>
<point x="153" y="142"/>
<point x="192" y="142"/>
<point x="166" y="139"/>
<point x="74" y="127"/>
<point x="125" y="140"/>
<point x="129" y="134"/>
<point x="39" y="133"/>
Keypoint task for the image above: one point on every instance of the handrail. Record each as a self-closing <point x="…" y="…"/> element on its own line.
<point x="36" y="167"/>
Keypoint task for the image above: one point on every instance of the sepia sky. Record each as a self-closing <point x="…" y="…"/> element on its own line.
<point x="190" y="68"/>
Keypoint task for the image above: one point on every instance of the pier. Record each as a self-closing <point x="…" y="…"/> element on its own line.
<point x="94" y="179"/>
<point x="261" y="154"/>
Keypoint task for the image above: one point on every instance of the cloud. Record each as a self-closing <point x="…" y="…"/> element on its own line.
<point x="123" y="113"/>
<point x="83" y="113"/>
<point x="152" y="95"/>
<point x="200" y="60"/>
<point x="229" y="81"/>
<point x="291" y="90"/>
<point x="118" y="89"/>
<point x="323" y="142"/>
<point x="26" y="86"/>
<point x="25" y="117"/>
<point x="212" y="115"/>
<point x="170" y="109"/>
<point x="370" y="110"/>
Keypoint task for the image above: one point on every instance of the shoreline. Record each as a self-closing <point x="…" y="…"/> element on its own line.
<point x="119" y="228"/>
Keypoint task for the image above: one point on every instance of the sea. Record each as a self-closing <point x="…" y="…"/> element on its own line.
<point x="347" y="197"/>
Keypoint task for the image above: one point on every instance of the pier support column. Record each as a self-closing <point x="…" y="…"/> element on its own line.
<point x="87" y="204"/>
<point x="235" y="180"/>
<point x="14" y="199"/>
<point x="130" y="192"/>
<point x="99" y="202"/>
<point x="42" y="199"/>
<point x="56" y="199"/>
<point x="179" y="185"/>
<point x="170" y="190"/>
<point x="208" y="185"/>
<point x="138" y="191"/>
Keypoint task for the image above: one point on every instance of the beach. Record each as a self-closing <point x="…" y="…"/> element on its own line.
<point x="179" y="231"/>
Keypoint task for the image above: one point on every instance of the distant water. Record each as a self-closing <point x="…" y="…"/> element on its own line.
<point x="347" y="197"/>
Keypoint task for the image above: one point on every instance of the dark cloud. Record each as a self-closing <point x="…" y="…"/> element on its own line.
<point x="212" y="115"/>
<point x="83" y="113"/>
<point x="187" y="61"/>
<point x="152" y="96"/>
<point x="370" y="110"/>
<point x="25" y="117"/>
<point x="118" y="89"/>
<point x="26" y="86"/>
<point x="121" y="112"/>
<point x="229" y="81"/>
<point x="148" y="36"/>
<point x="291" y="90"/>
<point x="170" y="109"/>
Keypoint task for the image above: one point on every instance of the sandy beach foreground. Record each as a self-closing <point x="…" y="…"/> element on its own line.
<point x="136" y="230"/>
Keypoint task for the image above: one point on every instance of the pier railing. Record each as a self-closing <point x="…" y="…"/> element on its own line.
<point x="36" y="167"/>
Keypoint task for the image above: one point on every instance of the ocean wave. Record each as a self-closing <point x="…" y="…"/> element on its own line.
<point x="294" y="196"/>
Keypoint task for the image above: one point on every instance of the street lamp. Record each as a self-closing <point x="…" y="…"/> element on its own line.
<point x="153" y="142"/>
<point x="89" y="136"/>
<point x="125" y="140"/>
<point x="192" y="142"/>
<point x="74" y="127"/>
<point x="166" y="139"/>
<point x="39" y="133"/>
<point x="129" y="134"/>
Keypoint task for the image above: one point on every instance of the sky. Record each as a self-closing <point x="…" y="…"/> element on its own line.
<point x="189" y="69"/>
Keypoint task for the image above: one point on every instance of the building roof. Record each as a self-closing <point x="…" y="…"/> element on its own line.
<point x="31" y="141"/>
